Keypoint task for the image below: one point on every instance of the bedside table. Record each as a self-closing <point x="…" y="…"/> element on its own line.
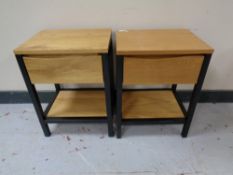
<point x="154" y="57"/>
<point x="82" y="56"/>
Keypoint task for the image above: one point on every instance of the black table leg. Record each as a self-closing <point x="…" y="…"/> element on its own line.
<point x="195" y="95"/>
<point x="34" y="96"/>
<point x="119" y="82"/>
<point x="174" y="87"/>
<point x="57" y="87"/>
<point x="108" y="91"/>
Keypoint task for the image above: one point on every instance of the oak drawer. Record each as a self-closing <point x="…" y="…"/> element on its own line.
<point x="162" y="70"/>
<point x="65" y="69"/>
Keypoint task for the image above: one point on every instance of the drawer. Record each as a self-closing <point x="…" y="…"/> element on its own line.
<point x="65" y="69"/>
<point x="162" y="70"/>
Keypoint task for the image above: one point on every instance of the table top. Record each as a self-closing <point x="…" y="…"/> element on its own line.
<point x="160" y="42"/>
<point x="71" y="41"/>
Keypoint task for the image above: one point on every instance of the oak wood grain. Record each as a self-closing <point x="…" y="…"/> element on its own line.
<point x="68" y="41"/>
<point x="150" y="104"/>
<point x="65" y="69"/>
<point x="160" y="42"/>
<point x="162" y="70"/>
<point x="79" y="104"/>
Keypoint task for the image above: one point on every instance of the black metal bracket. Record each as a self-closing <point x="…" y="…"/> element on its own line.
<point x="73" y="120"/>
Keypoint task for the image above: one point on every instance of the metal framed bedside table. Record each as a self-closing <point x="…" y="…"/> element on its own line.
<point x="82" y="56"/>
<point x="150" y="57"/>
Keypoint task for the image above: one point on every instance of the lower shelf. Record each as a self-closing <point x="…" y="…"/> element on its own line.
<point x="79" y="104"/>
<point x="150" y="105"/>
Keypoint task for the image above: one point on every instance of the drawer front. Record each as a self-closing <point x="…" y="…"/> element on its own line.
<point x="65" y="69"/>
<point x="162" y="70"/>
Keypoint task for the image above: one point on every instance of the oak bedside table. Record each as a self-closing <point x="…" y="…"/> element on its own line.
<point x="152" y="57"/>
<point x="82" y="56"/>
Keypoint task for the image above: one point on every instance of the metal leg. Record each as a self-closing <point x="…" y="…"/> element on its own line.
<point x="180" y="102"/>
<point x="113" y="93"/>
<point x="34" y="96"/>
<point x="57" y="87"/>
<point x="119" y="81"/>
<point x="108" y="92"/>
<point x="195" y="96"/>
<point x="111" y="74"/>
<point x="174" y="86"/>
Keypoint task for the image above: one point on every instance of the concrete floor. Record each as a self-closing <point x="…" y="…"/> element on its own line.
<point x="86" y="149"/>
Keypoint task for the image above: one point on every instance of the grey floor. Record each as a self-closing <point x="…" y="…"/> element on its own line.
<point x="86" y="149"/>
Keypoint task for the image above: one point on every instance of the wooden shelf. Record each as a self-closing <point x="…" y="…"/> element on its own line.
<point x="79" y="104"/>
<point x="150" y="104"/>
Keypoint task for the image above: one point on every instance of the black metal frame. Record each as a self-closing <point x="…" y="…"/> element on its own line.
<point x="107" y="64"/>
<point x="187" y="113"/>
<point x="119" y="82"/>
<point x="34" y="96"/>
<point x="57" y="87"/>
<point x="195" y="95"/>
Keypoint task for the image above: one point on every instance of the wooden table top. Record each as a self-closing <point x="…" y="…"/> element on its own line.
<point x="73" y="41"/>
<point x="160" y="42"/>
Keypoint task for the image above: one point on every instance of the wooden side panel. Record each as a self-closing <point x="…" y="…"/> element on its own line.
<point x="162" y="70"/>
<point x="150" y="104"/>
<point x="66" y="69"/>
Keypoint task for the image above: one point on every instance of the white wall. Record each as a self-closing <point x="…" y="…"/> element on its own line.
<point x="212" y="20"/>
